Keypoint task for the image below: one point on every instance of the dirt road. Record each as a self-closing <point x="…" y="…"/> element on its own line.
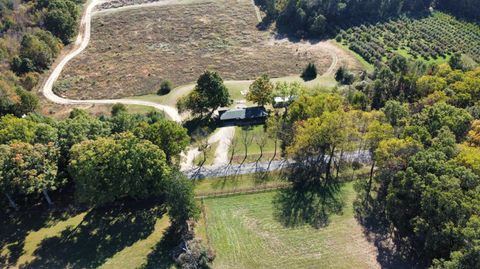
<point x="222" y="135"/>
<point x="80" y="44"/>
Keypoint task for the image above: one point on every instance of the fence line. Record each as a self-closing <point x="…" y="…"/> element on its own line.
<point x="242" y="191"/>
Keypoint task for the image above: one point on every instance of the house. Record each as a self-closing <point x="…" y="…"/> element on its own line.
<point x="243" y="116"/>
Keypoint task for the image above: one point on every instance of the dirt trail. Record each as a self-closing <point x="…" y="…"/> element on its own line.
<point x="222" y="135"/>
<point x="80" y="44"/>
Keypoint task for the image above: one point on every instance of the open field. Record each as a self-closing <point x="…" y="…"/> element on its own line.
<point x="123" y="236"/>
<point x="135" y="235"/>
<point x="245" y="234"/>
<point x="132" y="50"/>
<point x="238" y="183"/>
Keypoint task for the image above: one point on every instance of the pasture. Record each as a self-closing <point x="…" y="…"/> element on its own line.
<point x="245" y="234"/>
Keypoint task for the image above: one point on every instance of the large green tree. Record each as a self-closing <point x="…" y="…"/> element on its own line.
<point x="316" y="142"/>
<point x="112" y="168"/>
<point x="13" y="129"/>
<point x="260" y="91"/>
<point x="171" y="137"/>
<point x="209" y="94"/>
<point x="441" y="114"/>
<point x="28" y="169"/>
<point x="61" y="19"/>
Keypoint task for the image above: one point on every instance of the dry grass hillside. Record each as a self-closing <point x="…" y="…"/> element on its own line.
<point x="133" y="49"/>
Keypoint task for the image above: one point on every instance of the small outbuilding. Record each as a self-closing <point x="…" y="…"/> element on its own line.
<point x="243" y="116"/>
<point x="279" y="101"/>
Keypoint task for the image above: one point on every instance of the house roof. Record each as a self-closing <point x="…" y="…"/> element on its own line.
<point x="244" y="113"/>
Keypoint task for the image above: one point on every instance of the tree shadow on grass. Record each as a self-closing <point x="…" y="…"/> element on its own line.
<point x="15" y="227"/>
<point x="297" y="206"/>
<point x="161" y="255"/>
<point x="202" y="126"/>
<point x="102" y="233"/>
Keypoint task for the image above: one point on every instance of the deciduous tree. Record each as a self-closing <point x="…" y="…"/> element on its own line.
<point x="260" y="91"/>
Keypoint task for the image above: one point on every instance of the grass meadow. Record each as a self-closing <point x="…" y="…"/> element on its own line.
<point x="245" y="233"/>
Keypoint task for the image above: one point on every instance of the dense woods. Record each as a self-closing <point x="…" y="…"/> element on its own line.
<point x="32" y="33"/>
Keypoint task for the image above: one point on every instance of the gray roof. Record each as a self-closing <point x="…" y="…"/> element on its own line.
<point x="244" y="113"/>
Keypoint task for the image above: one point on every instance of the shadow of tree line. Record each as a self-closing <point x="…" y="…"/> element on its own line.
<point x="101" y="234"/>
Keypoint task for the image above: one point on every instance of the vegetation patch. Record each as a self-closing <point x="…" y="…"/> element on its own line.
<point x="130" y="235"/>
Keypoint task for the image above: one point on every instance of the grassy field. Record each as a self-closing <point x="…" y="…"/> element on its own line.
<point x="242" y="230"/>
<point x="245" y="234"/>
<point x="241" y="182"/>
<point x="132" y="50"/>
<point x="125" y="236"/>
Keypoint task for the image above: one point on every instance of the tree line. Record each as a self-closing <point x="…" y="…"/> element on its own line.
<point x="103" y="159"/>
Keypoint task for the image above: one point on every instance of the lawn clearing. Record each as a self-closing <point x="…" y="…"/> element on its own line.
<point x="244" y="234"/>
<point x="133" y="50"/>
<point x="252" y="136"/>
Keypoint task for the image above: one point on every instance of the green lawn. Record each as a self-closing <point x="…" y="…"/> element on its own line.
<point x="368" y="66"/>
<point x="245" y="234"/>
<point x="234" y="88"/>
<point x="231" y="183"/>
<point x="141" y="109"/>
<point x="256" y="133"/>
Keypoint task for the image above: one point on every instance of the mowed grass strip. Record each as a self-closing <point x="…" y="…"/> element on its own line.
<point x="244" y="233"/>
<point x="236" y="183"/>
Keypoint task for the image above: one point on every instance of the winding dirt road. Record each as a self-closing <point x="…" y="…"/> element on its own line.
<point x="223" y="135"/>
<point x="80" y="44"/>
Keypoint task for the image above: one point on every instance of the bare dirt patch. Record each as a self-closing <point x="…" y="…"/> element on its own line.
<point x="132" y="50"/>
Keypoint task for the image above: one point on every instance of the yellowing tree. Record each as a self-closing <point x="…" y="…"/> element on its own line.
<point x="260" y="91"/>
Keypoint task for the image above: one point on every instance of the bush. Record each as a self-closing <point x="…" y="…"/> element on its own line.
<point x="165" y="87"/>
<point x="310" y="72"/>
<point x="344" y="76"/>
<point x="118" y="108"/>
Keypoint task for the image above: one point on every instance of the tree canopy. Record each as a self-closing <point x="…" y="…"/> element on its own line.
<point x="111" y="168"/>
<point x="209" y="94"/>
<point x="260" y="91"/>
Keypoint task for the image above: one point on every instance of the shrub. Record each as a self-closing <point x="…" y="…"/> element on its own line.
<point x="310" y="72"/>
<point x="118" y="108"/>
<point x="165" y="87"/>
